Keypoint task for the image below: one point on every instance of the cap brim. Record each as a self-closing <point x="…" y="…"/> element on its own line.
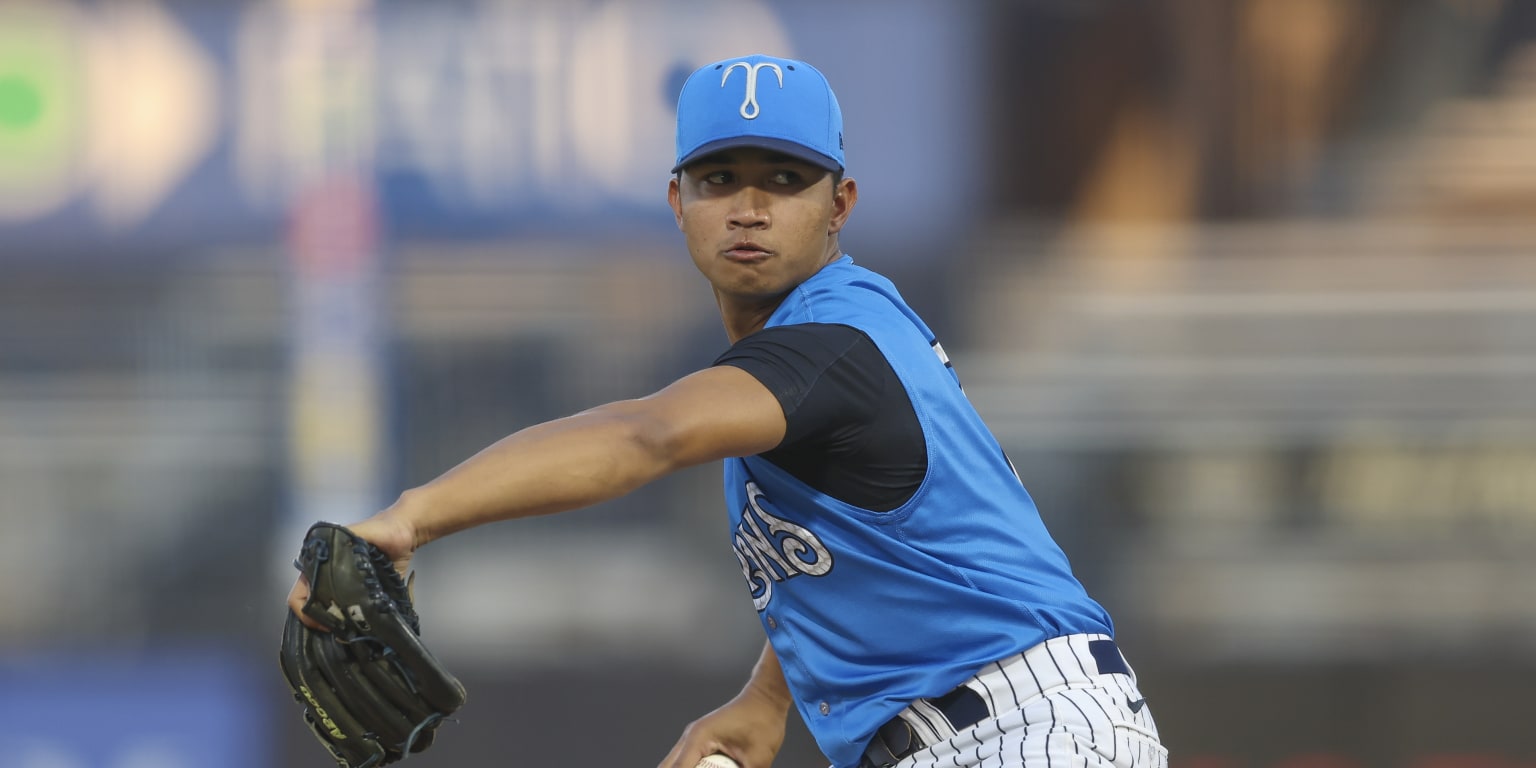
<point x="793" y="149"/>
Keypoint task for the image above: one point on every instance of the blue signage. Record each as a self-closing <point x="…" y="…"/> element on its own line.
<point x="145" y="713"/>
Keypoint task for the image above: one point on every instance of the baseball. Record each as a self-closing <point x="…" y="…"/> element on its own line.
<point x="717" y="761"/>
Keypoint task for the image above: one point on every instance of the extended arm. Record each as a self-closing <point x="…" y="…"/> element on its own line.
<point x="599" y="454"/>
<point x="579" y="460"/>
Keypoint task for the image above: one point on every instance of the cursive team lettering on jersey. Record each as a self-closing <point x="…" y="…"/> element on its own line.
<point x="772" y="549"/>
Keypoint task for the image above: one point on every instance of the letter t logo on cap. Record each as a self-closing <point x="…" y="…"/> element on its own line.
<point x="749" y="105"/>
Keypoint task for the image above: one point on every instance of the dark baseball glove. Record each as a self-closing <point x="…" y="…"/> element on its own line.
<point x="371" y="692"/>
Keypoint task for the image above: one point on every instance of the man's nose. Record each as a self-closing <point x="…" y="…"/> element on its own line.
<point x="750" y="209"/>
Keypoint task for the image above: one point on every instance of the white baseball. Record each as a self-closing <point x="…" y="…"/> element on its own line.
<point x="717" y="761"/>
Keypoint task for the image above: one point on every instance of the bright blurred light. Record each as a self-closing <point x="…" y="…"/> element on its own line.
<point x="154" y="96"/>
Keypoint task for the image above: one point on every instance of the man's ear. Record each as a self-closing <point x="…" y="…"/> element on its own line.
<point x="675" y="199"/>
<point x="844" y="196"/>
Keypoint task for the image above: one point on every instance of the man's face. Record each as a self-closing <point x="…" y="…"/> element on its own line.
<point x="758" y="223"/>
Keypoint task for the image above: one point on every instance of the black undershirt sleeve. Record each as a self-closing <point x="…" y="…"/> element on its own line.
<point x="851" y="430"/>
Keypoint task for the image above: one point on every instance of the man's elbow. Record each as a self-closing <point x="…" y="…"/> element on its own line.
<point x="656" y="446"/>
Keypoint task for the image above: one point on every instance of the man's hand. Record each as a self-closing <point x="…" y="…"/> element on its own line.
<point x="749" y="729"/>
<point x="387" y="531"/>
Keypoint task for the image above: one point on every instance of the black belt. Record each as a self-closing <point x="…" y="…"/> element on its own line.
<point x="963" y="708"/>
<point x="895" y="740"/>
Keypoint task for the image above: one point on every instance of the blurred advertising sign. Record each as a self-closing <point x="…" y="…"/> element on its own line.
<point x="58" y="712"/>
<point x="170" y="121"/>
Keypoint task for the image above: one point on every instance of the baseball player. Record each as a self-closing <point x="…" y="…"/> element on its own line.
<point x="917" y="611"/>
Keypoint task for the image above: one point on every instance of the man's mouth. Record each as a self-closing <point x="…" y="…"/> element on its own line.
<point x="746" y="251"/>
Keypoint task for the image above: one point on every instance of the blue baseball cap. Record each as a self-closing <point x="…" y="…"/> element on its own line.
<point x="760" y="101"/>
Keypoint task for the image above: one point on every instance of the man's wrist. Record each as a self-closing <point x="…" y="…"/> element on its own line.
<point x="408" y="515"/>
<point x="771" y="692"/>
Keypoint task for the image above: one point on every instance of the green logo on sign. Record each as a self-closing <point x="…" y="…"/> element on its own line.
<point x="21" y="104"/>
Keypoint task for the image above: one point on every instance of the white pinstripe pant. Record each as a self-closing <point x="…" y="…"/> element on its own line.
<point x="1053" y="709"/>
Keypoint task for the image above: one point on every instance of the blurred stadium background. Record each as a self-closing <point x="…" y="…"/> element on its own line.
<point x="1246" y="287"/>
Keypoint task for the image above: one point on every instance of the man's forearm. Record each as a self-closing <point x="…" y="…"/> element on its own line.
<point x="768" y="679"/>
<point x="551" y="467"/>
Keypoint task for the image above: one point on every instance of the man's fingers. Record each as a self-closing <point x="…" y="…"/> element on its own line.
<point x="687" y="754"/>
<point x="297" y="597"/>
<point x="674" y="759"/>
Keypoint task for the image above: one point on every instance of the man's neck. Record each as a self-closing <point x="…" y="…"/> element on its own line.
<point x="744" y="318"/>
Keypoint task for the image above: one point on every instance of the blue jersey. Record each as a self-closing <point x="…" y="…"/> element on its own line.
<point x="866" y="610"/>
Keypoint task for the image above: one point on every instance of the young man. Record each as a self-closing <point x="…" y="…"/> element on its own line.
<point x="917" y="611"/>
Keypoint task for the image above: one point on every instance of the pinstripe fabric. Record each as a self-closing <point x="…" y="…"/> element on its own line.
<point x="1053" y="710"/>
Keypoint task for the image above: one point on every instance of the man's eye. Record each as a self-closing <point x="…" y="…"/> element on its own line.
<point x="718" y="177"/>
<point x="786" y="177"/>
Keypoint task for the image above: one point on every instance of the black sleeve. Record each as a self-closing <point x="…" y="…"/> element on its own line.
<point x="851" y="430"/>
